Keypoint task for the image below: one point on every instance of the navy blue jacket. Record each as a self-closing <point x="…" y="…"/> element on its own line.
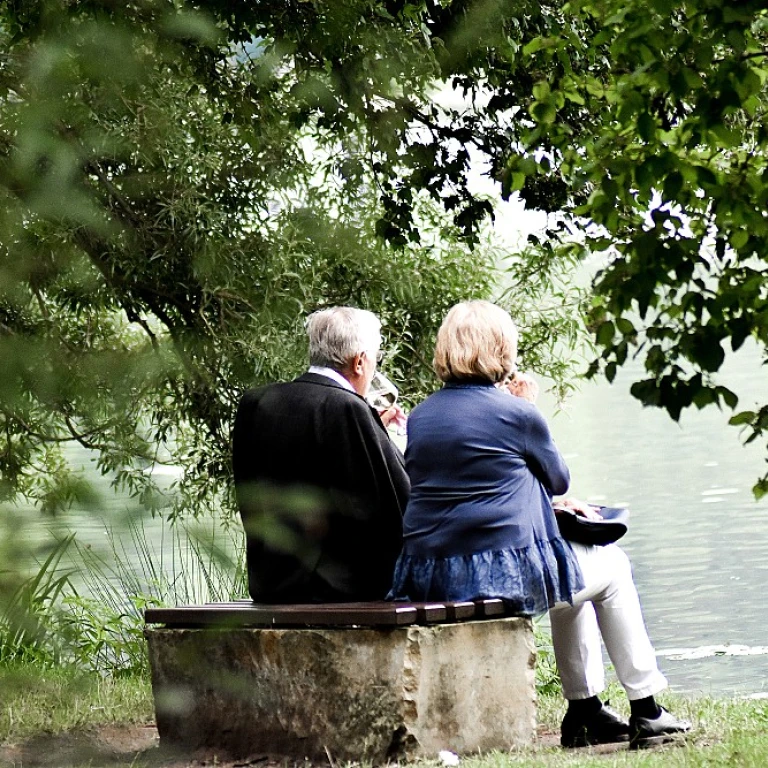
<point x="483" y="467"/>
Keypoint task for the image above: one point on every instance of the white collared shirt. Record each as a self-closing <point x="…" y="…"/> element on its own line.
<point x="330" y="373"/>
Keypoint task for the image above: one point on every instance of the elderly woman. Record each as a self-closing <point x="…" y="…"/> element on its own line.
<point x="479" y="523"/>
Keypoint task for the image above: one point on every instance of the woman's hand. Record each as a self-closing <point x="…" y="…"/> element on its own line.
<point x="525" y="386"/>
<point x="579" y="507"/>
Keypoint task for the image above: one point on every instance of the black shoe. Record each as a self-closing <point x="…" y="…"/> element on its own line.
<point x="647" y="732"/>
<point x="602" y="727"/>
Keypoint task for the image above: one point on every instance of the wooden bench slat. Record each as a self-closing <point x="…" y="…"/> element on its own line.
<point x="427" y="612"/>
<point x="245" y="613"/>
<point x="488" y="607"/>
<point x="459" y="611"/>
<point x="430" y="613"/>
<point x="251" y="614"/>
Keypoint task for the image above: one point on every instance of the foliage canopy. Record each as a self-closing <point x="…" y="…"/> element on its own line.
<point x="181" y="182"/>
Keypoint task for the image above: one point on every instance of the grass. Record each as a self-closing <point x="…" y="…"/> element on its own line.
<point x="36" y="700"/>
<point x="728" y="732"/>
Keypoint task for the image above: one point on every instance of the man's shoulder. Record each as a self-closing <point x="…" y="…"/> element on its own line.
<point x="251" y="396"/>
<point x="309" y="387"/>
<point x="254" y="392"/>
<point x="322" y="388"/>
<point x="338" y="403"/>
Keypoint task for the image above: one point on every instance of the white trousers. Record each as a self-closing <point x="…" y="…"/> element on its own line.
<point x="607" y="606"/>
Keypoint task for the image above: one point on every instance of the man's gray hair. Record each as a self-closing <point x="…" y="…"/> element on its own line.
<point x="337" y="334"/>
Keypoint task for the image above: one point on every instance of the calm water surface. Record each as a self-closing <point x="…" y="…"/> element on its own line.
<point x="697" y="539"/>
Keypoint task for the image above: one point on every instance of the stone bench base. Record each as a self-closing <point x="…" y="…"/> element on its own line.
<point x="364" y="694"/>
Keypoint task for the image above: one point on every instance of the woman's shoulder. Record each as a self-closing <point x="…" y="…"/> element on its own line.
<point x="450" y="394"/>
<point x="486" y="397"/>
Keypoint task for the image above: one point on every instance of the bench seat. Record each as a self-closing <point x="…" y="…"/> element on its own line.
<point x="244" y="613"/>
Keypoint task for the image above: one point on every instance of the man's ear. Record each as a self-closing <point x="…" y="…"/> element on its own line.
<point x="357" y="363"/>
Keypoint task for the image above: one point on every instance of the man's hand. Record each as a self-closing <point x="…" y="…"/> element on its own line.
<point x="394" y="415"/>
<point x="525" y="386"/>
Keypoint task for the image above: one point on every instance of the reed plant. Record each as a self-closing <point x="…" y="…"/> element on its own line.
<point x="190" y="563"/>
<point x="27" y="632"/>
<point x="86" y="608"/>
<point x="547" y="676"/>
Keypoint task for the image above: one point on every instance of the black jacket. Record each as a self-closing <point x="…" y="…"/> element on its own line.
<point x="321" y="490"/>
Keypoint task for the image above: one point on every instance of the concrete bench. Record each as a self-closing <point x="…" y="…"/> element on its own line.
<point x="350" y="681"/>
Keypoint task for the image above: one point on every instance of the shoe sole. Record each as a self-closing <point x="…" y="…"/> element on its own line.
<point x="581" y="743"/>
<point x="648" y="742"/>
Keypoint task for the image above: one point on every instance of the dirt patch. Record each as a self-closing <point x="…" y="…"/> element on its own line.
<point x="115" y="746"/>
<point x="105" y="745"/>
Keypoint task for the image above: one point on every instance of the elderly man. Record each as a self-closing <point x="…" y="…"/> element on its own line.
<point x="320" y="486"/>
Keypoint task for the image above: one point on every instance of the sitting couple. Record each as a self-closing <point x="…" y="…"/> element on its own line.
<point x="331" y="509"/>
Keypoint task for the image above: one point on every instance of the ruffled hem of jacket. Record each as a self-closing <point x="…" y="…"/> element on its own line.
<point x="530" y="580"/>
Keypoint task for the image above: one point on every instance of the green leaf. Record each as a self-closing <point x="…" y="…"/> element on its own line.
<point x="644" y="176"/>
<point x="543" y="112"/>
<point x="733" y="14"/>
<point x="574" y="96"/>
<point x="646" y="391"/>
<point x="617" y="18"/>
<point x="517" y="181"/>
<point x="646" y="126"/>
<point x="726" y="137"/>
<point x="703" y="397"/>
<point x="541" y="91"/>
<point x="705" y="176"/>
<point x="533" y="46"/>
<point x="672" y="185"/>
<point x="740" y="327"/>
<point x="730" y="398"/>
<point x="739" y="239"/>
<point x="706" y="352"/>
<point x="742" y="418"/>
<point x="605" y="333"/>
<point x="736" y="38"/>
<point x="693" y="79"/>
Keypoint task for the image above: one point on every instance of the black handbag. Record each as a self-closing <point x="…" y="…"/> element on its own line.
<point x="580" y="529"/>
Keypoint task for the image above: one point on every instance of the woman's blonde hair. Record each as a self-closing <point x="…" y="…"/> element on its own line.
<point x="477" y="340"/>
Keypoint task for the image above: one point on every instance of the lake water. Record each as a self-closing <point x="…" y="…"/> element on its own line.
<point x="697" y="538"/>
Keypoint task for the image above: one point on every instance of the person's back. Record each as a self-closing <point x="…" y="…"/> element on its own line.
<point x="470" y="451"/>
<point x="320" y="486"/>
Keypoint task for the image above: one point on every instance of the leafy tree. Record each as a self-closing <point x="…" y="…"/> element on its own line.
<point x="673" y="161"/>
<point x="180" y="186"/>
